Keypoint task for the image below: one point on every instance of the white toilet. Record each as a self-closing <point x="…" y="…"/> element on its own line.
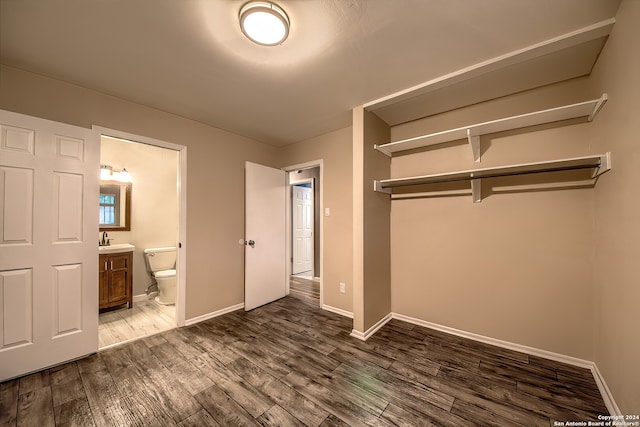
<point x="161" y="264"/>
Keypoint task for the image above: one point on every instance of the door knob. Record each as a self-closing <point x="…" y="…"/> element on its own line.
<point x="250" y="243"/>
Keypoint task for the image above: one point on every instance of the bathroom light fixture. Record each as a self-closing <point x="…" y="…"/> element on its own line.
<point x="264" y="23"/>
<point x="107" y="173"/>
<point x="123" y="176"/>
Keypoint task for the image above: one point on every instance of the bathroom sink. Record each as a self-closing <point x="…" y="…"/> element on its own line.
<point x="112" y="249"/>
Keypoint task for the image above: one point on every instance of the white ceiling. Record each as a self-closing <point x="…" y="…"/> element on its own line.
<point x="189" y="57"/>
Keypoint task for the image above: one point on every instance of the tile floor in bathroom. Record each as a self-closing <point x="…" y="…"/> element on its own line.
<point x="144" y="319"/>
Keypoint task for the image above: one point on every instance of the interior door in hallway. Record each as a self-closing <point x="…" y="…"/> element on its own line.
<point x="48" y="243"/>
<point x="265" y="231"/>
<point x="302" y="224"/>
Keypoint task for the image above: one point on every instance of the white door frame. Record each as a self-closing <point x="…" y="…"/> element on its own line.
<point x="182" y="214"/>
<point x="292" y="184"/>
<point x="307" y="165"/>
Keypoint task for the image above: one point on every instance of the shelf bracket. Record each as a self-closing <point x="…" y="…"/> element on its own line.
<point x="605" y="165"/>
<point x="476" y="190"/>
<point x="377" y="186"/>
<point x="474" y="143"/>
<point x="598" y="106"/>
<point x="382" y="150"/>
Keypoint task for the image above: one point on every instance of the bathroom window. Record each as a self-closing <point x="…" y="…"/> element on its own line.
<point x="108" y="209"/>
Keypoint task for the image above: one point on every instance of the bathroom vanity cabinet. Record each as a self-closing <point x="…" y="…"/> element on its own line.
<point x="116" y="284"/>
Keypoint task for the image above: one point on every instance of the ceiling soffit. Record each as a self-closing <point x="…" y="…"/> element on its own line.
<point x="562" y="58"/>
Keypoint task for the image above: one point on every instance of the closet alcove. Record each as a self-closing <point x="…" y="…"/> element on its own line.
<point x="566" y="58"/>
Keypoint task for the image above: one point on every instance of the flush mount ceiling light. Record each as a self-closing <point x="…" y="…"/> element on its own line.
<point x="264" y="23"/>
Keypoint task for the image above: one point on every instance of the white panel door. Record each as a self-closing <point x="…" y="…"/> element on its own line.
<point x="48" y="243"/>
<point x="265" y="242"/>
<point x="302" y="224"/>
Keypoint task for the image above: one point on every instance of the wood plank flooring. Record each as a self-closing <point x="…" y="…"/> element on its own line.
<point x="291" y="364"/>
<point x="144" y="319"/>
<point x="305" y="289"/>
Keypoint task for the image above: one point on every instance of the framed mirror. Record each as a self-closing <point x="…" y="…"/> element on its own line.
<point x="115" y="206"/>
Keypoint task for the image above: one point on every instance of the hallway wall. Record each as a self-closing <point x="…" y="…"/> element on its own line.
<point x="335" y="149"/>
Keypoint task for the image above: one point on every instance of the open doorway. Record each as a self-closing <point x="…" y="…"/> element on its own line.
<point x="302" y="228"/>
<point x="305" y="223"/>
<point x="157" y="228"/>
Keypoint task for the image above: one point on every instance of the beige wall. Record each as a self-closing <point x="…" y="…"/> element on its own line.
<point x="215" y="178"/>
<point x="371" y="224"/>
<point x="617" y="213"/>
<point x="154" y="201"/>
<point x="376" y="244"/>
<point x="358" y="123"/>
<point x="335" y="150"/>
<point x="516" y="267"/>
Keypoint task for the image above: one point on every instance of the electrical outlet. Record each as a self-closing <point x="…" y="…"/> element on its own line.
<point x="343" y="288"/>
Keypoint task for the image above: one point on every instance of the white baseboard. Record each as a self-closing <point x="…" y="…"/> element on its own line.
<point x="607" y="397"/>
<point x="609" y="402"/>
<point x="337" y="310"/>
<point x="141" y="297"/>
<point x="499" y="343"/>
<point x="213" y="314"/>
<point x="372" y="330"/>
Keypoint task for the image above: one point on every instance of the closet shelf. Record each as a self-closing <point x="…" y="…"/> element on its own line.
<point x="473" y="132"/>
<point x="600" y="164"/>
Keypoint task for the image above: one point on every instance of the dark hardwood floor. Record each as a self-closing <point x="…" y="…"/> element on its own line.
<point x="289" y="363"/>
<point x="305" y="290"/>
